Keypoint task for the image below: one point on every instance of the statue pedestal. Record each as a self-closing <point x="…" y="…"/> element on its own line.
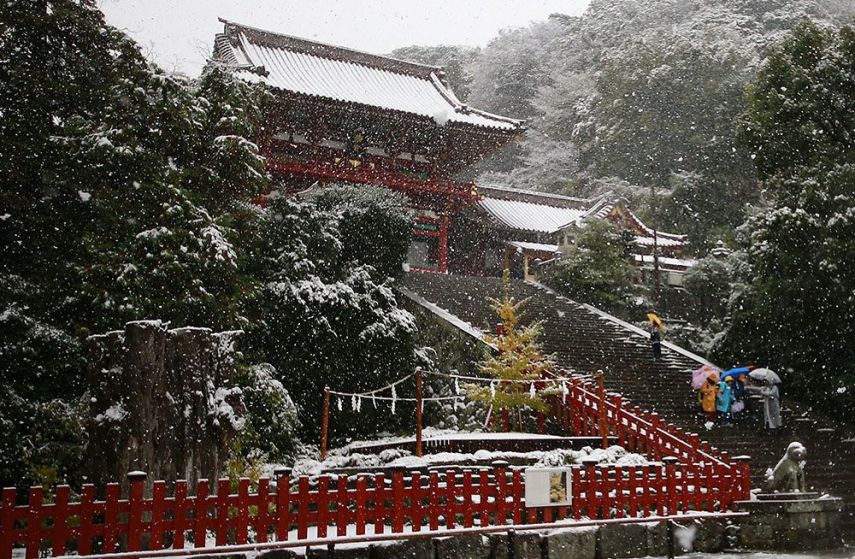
<point x="791" y="522"/>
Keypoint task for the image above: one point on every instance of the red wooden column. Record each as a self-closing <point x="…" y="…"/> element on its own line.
<point x="442" y="245"/>
<point x="601" y="407"/>
<point x="325" y="423"/>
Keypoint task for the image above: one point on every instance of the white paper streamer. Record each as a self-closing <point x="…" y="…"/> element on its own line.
<point x="532" y="391"/>
<point x="492" y="389"/>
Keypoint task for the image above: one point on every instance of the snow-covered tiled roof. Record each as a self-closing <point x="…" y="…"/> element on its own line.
<point x="326" y="71"/>
<point x="663" y="240"/>
<point x="535" y="247"/>
<point x="665" y="261"/>
<point x="527" y="216"/>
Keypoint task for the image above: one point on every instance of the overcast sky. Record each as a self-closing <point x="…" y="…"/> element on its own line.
<point x="179" y="34"/>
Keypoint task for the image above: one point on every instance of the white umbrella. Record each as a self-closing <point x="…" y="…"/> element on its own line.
<point x="765" y="374"/>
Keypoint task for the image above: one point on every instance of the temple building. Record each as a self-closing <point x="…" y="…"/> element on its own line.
<point x="345" y="116"/>
<point x="522" y="230"/>
<point x="349" y="116"/>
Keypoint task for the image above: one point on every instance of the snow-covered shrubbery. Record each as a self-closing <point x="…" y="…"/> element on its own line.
<point x="350" y="457"/>
<point x="271" y="421"/>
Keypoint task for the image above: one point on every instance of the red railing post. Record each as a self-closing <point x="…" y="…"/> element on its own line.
<point x="341" y="506"/>
<point x="654" y="447"/>
<point x="434" y="510"/>
<point x="652" y="493"/>
<point x="670" y="463"/>
<point x="200" y="516"/>
<point x="179" y="514"/>
<point x="590" y="466"/>
<point x="303" y="498"/>
<point x="136" y="486"/>
<point x="620" y="430"/>
<point x="262" y="504"/>
<point x="323" y="502"/>
<point x="111" y="513"/>
<point x="242" y="528"/>
<point x="158" y="503"/>
<point x="283" y="503"/>
<point x="415" y="491"/>
<point x="222" y="521"/>
<point x="361" y="504"/>
<point x="34" y="522"/>
<point x="743" y="473"/>
<point x="450" y="499"/>
<point x="87" y="500"/>
<point x="633" y="490"/>
<point x="500" y="471"/>
<point x="60" y="520"/>
<point x="7" y="522"/>
<point x="398" y="499"/>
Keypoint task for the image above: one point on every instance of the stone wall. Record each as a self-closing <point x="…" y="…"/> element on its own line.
<point x="161" y="402"/>
<point x="606" y="542"/>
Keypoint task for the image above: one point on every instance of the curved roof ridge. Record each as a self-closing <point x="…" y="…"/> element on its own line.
<point x="331" y="51"/>
<point x="534" y="193"/>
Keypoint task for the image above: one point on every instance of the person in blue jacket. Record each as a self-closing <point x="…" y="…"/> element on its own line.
<point x="724" y="401"/>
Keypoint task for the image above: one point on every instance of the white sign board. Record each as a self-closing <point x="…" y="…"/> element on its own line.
<point x="547" y="487"/>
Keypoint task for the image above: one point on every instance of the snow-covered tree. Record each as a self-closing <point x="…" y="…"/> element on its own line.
<point x="792" y="307"/>
<point x="596" y="268"/>
<point x="324" y="319"/>
<point x="518" y="363"/>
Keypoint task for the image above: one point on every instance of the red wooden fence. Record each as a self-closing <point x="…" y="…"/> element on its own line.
<point x="638" y="430"/>
<point x="172" y="517"/>
<point x="688" y="475"/>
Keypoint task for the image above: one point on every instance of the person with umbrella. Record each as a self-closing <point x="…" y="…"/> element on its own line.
<point x="656" y="328"/>
<point x="771" y="397"/>
<point x="724" y="400"/>
<point x="707" y="396"/>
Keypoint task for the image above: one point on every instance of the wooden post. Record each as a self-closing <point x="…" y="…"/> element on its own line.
<point x="136" y="485"/>
<point x="325" y="423"/>
<point x="442" y="249"/>
<point x="601" y="394"/>
<point x="418" y="411"/>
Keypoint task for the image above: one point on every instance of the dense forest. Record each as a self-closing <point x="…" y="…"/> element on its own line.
<point x="633" y="94"/>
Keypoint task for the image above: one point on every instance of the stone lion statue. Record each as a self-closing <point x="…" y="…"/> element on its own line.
<point x="789" y="475"/>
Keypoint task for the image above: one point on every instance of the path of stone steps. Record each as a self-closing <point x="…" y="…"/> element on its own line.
<point x="583" y="339"/>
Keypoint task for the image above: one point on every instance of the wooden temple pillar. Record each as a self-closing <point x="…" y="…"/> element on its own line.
<point x="442" y="245"/>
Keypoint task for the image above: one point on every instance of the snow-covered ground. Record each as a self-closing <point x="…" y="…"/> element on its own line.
<point x="350" y="456"/>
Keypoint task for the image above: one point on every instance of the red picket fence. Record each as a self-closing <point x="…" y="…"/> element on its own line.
<point x="172" y="517"/>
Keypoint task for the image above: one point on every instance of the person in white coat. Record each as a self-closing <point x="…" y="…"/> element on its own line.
<point x="771" y="405"/>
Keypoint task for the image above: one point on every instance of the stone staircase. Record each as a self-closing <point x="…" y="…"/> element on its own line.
<point x="583" y="339"/>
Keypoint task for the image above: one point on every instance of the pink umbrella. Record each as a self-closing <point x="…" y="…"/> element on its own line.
<point x="699" y="376"/>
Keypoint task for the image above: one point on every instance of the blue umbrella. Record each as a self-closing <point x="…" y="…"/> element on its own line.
<point x="734" y="372"/>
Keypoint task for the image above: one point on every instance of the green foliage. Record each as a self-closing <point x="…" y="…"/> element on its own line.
<point x="121" y="192"/>
<point x="271" y="426"/>
<point x="799" y="108"/>
<point x="709" y="284"/>
<point x="375" y="226"/>
<point x="792" y="307"/>
<point x="596" y="269"/>
<point x="455" y="60"/>
<point x="517" y="362"/>
<point x="324" y="320"/>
